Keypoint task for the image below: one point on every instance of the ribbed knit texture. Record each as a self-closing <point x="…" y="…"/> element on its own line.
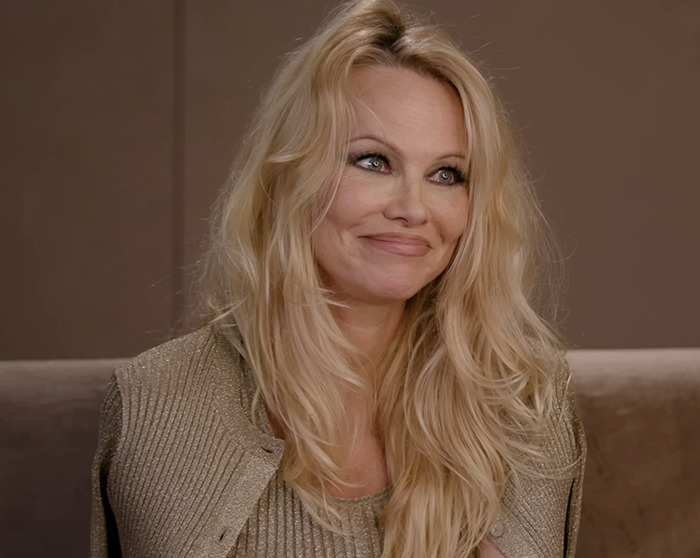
<point x="534" y="509"/>
<point x="180" y="470"/>
<point x="280" y="526"/>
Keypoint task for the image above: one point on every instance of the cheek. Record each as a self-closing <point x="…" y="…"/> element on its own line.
<point x="453" y="225"/>
<point x="332" y="236"/>
<point x="351" y="207"/>
<point x="454" y="218"/>
<point x="353" y="199"/>
<point x="323" y="240"/>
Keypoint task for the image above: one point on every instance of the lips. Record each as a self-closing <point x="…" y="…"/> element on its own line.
<point x="401" y="245"/>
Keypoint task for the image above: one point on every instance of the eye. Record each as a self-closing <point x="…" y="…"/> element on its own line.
<point x="372" y="162"/>
<point x="449" y="176"/>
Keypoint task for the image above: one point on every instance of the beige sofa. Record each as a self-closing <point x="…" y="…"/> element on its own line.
<point x="641" y="409"/>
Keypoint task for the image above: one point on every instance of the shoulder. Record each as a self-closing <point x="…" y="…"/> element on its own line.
<point x="198" y="357"/>
<point x="194" y="388"/>
<point x="176" y="441"/>
<point x="564" y="441"/>
<point x="183" y="387"/>
<point x="540" y="511"/>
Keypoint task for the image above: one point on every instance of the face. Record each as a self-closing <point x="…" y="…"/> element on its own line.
<point x="401" y="205"/>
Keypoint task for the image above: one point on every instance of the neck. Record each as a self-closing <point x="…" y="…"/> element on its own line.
<point x="370" y="327"/>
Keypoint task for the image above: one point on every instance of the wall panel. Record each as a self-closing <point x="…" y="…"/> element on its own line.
<point x="232" y="52"/>
<point x="121" y="119"/>
<point x="86" y="177"/>
<point x="604" y="96"/>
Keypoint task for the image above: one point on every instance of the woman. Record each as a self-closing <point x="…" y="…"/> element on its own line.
<point x="374" y="380"/>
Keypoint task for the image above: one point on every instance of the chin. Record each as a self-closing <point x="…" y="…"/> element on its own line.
<point x="396" y="293"/>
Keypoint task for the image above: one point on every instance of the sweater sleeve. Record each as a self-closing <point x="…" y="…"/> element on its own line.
<point x="104" y="537"/>
<point x="573" y="515"/>
<point x="541" y="512"/>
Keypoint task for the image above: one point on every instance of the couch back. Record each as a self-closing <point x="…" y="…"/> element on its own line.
<point x="641" y="411"/>
<point x="48" y="432"/>
<point x="640" y="408"/>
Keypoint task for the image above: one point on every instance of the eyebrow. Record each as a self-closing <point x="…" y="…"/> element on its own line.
<point x="392" y="147"/>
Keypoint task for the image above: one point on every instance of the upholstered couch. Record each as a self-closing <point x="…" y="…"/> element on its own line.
<point x="641" y="410"/>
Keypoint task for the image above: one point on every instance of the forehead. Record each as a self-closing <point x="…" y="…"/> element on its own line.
<point x="401" y="103"/>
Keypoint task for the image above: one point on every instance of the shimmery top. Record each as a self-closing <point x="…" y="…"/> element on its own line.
<point x="181" y="470"/>
<point x="280" y="526"/>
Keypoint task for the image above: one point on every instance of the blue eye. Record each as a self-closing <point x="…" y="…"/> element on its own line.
<point x="448" y="176"/>
<point x="372" y="162"/>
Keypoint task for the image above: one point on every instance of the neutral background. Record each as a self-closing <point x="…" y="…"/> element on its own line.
<point x="120" y="120"/>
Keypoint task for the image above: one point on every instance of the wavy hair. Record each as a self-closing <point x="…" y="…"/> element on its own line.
<point x="463" y="388"/>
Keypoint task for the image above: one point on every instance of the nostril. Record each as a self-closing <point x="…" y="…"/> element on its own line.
<point x="408" y="211"/>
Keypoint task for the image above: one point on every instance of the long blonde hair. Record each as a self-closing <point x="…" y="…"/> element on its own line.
<point x="465" y="383"/>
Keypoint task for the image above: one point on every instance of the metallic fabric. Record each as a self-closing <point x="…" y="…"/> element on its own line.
<point x="181" y="469"/>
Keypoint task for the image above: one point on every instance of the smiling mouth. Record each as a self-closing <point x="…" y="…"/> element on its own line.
<point x="400" y="245"/>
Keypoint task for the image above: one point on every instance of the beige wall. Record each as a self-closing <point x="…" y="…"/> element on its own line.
<point x="120" y="120"/>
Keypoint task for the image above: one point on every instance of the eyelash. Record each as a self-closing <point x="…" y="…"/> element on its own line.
<point x="355" y="159"/>
<point x="459" y="177"/>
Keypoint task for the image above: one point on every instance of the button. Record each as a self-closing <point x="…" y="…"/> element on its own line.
<point x="497" y="529"/>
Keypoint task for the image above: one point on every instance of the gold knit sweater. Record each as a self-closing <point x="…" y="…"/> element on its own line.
<point x="181" y="470"/>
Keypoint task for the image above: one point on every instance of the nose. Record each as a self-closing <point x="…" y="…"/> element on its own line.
<point x="406" y="203"/>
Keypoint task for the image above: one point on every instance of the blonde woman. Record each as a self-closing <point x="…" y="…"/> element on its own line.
<point x="374" y="380"/>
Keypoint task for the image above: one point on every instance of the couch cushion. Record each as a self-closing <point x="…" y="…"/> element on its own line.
<point x="641" y="492"/>
<point x="48" y="432"/>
